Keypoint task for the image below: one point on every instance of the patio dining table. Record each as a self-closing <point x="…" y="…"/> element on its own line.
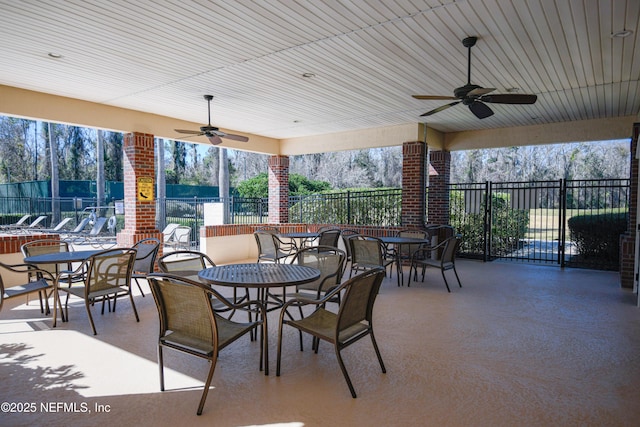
<point x="58" y="258"/>
<point x="260" y="276"/>
<point x="305" y="237"/>
<point x="399" y="241"/>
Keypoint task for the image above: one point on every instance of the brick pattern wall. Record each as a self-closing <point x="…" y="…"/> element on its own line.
<point x="414" y="170"/>
<point x="11" y="243"/>
<point x="438" y="187"/>
<point x="139" y="215"/>
<point x="278" y="189"/>
<point x="233" y="229"/>
<point x="628" y="240"/>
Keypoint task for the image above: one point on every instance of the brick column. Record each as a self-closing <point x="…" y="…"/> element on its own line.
<point x="278" y="189"/>
<point x="439" y="188"/>
<point x="628" y="240"/>
<point x="414" y="171"/>
<point x="139" y="186"/>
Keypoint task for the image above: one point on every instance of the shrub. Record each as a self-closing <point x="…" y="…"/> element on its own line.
<point x="598" y="235"/>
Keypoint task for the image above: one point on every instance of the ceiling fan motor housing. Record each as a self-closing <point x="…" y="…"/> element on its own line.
<point x="462" y="92"/>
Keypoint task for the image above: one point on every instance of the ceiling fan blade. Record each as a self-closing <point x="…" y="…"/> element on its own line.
<point x="480" y="91"/>
<point x="434" y="97"/>
<point x="437" y="110"/>
<point x="480" y="110"/>
<point x="235" y="137"/>
<point x="190" y="132"/>
<point x="510" y="98"/>
<point x="214" y="139"/>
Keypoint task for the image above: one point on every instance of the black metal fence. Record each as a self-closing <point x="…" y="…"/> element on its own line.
<point x="525" y="221"/>
<point x="374" y="207"/>
<point x="529" y="221"/>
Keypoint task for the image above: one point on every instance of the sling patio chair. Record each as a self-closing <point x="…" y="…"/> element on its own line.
<point x="424" y="257"/>
<point x="189" y="324"/>
<point x="368" y="253"/>
<point x="48" y="246"/>
<point x="146" y="254"/>
<point x="271" y="248"/>
<point x="39" y="281"/>
<point x="108" y="275"/>
<point x="329" y="237"/>
<point x="352" y="322"/>
<point x="187" y="264"/>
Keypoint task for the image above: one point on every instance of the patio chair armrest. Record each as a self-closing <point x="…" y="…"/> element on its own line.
<point x="29" y="269"/>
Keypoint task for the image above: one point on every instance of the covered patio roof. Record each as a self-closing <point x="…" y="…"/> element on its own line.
<point x="324" y="76"/>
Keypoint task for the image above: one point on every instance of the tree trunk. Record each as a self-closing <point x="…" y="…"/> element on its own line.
<point x="223" y="182"/>
<point x="55" y="183"/>
<point x="161" y="185"/>
<point x="100" y="182"/>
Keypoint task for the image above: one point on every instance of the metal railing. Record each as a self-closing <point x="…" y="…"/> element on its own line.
<point x="529" y="221"/>
<point x="526" y="221"/>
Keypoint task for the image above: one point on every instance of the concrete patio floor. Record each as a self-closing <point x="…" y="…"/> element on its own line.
<point x="517" y="345"/>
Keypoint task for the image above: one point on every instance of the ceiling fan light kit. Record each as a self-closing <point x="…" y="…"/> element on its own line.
<point x="475" y="96"/>
<point x="213" y="133"/>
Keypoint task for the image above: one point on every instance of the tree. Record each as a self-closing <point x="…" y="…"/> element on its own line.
<point x="258" y="186"/>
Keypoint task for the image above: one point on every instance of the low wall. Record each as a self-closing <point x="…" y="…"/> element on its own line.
<point x="226" y="244"/>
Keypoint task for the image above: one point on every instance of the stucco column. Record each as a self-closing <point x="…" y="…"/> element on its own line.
<point x="278" y="189"/>
<point x="628" y="240"/>
<point x="414" y="172"/>
<point x="139" y="186"/>
<point x="439" y="187"/>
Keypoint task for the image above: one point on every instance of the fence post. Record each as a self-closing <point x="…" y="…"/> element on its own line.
<point x="487" y="220"/>
<point x="348" y="207"/>
<point x="563" y="221"/>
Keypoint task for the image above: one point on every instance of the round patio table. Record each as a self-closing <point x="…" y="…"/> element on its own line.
<point x="58" y="258"/>
<point x="261" y="277"/>
<point x="399" y="241"/>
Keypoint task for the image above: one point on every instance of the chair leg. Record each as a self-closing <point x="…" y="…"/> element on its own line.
<point x="445" y="280"/>
<point x="458" y="278"/>
<point x="344" y="372"/>
<point x="140" y="287"/>
<point x="375" y="347"/>
<point x="88" y="307"/>
<point x="161" y="367"/>
<point x="279" y="354"/>
<point x="264" y="345"/>
<point x="133" y="304"/>
<point x="207" y="384"/>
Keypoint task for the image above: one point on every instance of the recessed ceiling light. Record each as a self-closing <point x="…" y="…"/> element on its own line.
<point x="621" y="34"/>
<point x="296" y="121"/>
<point x="54" y="55"/>
<point x="513" y="89"/>
<point x="308" y="75"/>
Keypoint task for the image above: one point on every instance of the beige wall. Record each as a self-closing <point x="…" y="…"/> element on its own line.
<point x="553" y="133"/>
<point x="35" y="105"/>
<point x="230" y="249"/>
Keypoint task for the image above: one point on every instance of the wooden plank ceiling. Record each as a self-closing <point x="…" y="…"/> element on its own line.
<point x="367" y="58"/>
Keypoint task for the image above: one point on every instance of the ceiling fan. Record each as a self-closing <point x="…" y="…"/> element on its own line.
<point x="475" y="96"/>
<point x="213" y="133"/>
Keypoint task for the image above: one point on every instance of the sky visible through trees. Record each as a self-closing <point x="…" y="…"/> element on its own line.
<point x="24" y="156"/>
